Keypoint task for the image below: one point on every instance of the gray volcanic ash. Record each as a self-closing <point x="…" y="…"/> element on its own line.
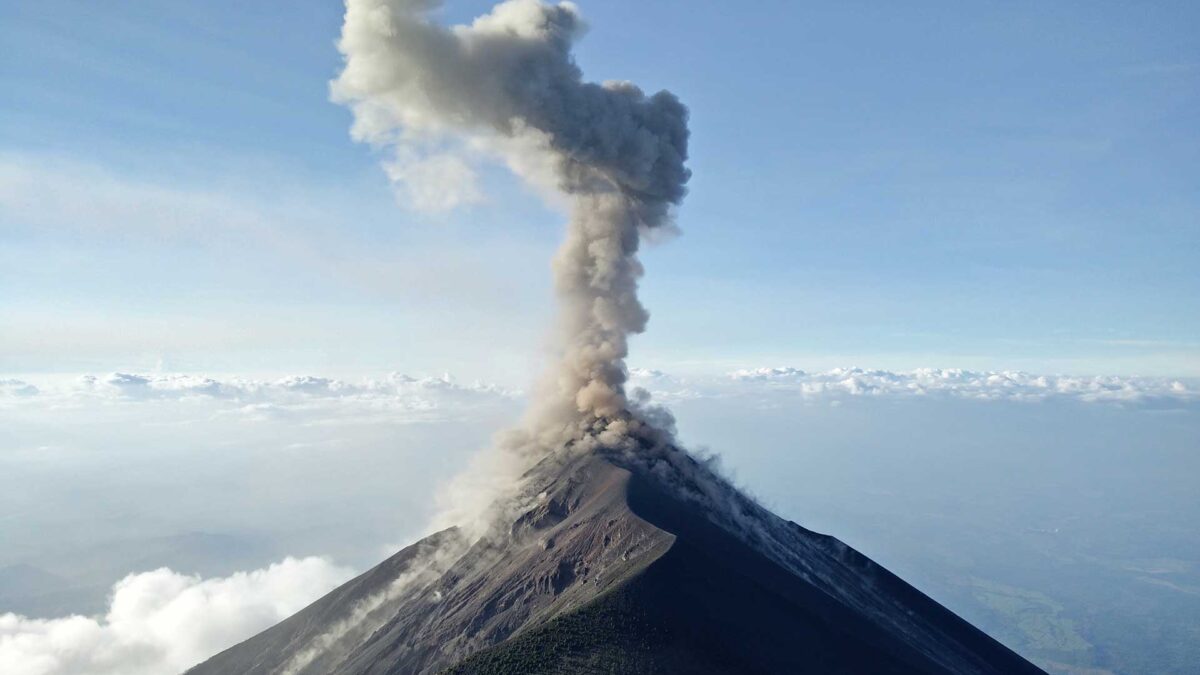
<point x="507" y="86"/>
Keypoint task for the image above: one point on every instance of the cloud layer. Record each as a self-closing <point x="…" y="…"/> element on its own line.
<point x="162" y="622"/>
<point x="432" y="396"/>
<point x="402" y="397"/>
<point x="841" y="383"/>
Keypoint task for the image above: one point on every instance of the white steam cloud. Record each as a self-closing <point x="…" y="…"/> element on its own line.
<point x="164" y="622"/>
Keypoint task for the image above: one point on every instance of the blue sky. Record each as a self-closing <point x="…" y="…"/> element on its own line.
<point x="978" y="185"/>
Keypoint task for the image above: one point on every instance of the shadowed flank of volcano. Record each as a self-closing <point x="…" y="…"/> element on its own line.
<point x="611" y="571"/>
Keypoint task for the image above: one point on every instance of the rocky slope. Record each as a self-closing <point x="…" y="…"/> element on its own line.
<point x="631" y="567"/>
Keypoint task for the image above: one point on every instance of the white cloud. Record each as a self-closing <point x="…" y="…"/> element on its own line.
<point x="646" y="373"/>
<point x="12" y="387"/>
<point x="427" y="397"/>
<point x="250" y="212"/>
<point x="163" y="622"/>
<point x="302" y="464"/>
<point x="841" y="383"/>
<point x="294" y="391"/>
<point x="52" y="193"/>
<point x="765" y="374"/>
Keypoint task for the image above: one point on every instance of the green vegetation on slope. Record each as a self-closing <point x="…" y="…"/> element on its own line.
<point x="613" y="634"/>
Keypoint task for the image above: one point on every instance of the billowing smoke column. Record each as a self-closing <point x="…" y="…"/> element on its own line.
<point x="507" y="85"/>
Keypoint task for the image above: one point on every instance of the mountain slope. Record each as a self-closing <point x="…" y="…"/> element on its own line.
<point x="612" y="568"/>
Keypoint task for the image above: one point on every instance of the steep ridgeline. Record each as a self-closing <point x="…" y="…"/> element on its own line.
<point x="611" y="570"/>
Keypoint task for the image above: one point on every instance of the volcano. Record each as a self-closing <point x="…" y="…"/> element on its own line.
<point x="620" y="564"/>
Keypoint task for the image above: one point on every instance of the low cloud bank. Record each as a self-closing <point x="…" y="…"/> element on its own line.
<point x="163" y="622"/>
<point x="303" y="398"/>
<point x="177" y="386"/>
<point x="841" y="383"/>
<point x="446" y="393"/>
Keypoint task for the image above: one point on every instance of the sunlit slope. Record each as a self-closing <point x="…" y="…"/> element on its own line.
<point x="612" y="572"/>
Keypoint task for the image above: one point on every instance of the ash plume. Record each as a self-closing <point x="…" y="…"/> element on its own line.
<point x="507" y="85"/>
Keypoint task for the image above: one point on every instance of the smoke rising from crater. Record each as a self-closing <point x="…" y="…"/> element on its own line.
<point x="507" y="85"/>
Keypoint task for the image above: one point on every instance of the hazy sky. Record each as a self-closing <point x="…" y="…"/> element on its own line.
<point x="981" y="185"/>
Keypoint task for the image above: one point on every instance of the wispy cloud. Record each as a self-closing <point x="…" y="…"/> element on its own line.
<point x="314" y="230"/>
